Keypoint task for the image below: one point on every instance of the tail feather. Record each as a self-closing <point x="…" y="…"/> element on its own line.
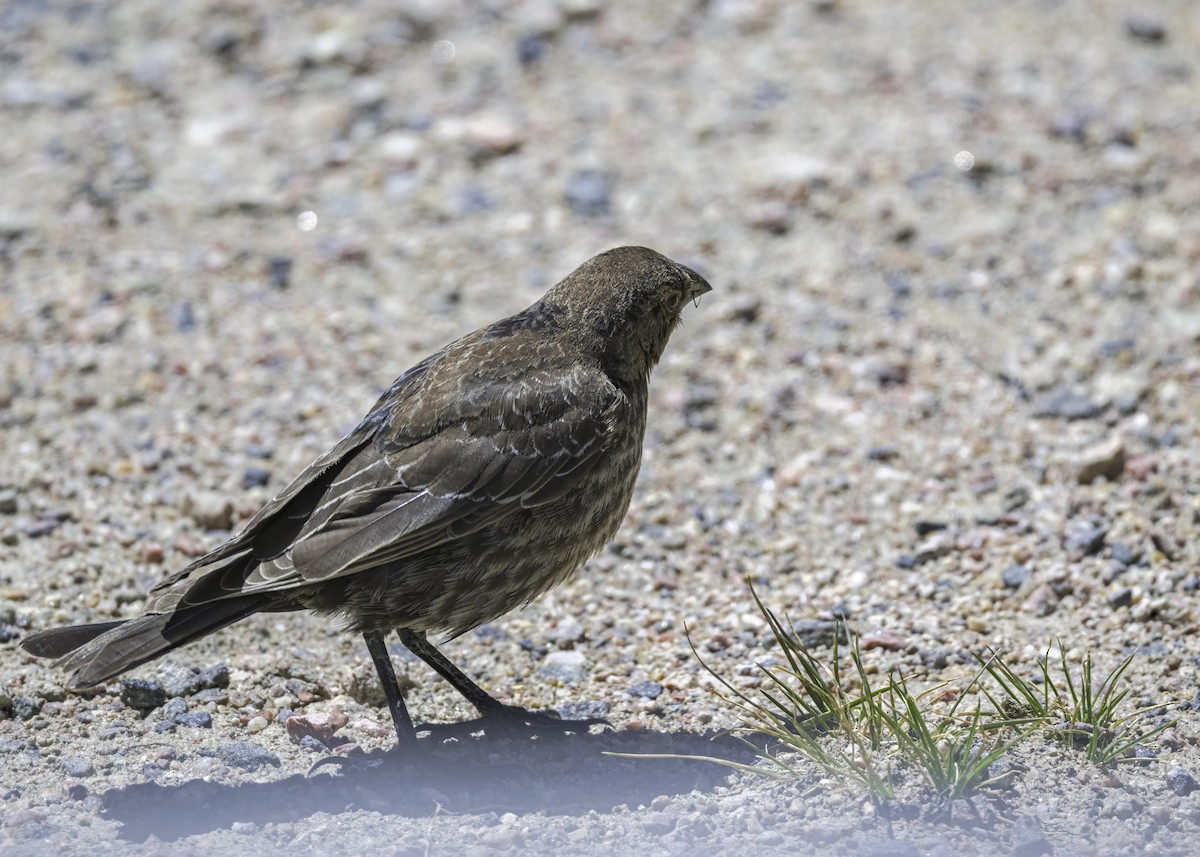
<point x="96" y="653"/>
<point x="56" y="642"/>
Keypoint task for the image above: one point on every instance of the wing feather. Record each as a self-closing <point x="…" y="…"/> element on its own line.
<point x="405" y="482"/>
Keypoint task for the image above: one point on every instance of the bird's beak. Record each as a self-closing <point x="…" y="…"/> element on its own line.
<point x="698" y="286"/>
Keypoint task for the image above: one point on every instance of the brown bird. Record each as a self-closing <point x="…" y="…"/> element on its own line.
<point x="484" y="476"/>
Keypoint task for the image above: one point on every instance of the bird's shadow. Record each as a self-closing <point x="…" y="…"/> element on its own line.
<point x="556" y="772"/>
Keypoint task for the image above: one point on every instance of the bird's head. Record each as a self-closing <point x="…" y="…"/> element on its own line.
<point x="625" y="303"/>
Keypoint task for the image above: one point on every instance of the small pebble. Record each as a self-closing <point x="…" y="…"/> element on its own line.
<point x="564" y="666"/>
<point x="142" y="695"/>
<point x="313" y="744"/>
<point x="255" y="477"/>
<point x="198" y="719"/>
<point x="279" y="272"/>
<point x="890" y="641"/>
<point x="817" y="633"/>
<point x="1122" y="597"/>
<point x="78" y="768"/>
<point x="1143" y="28"/>
<point x="322" y="725"/>
<point x="1086" y="536"/>
<point x="646" y="690"/>
<point x="1042" y="601"/>
<point x="210" y="511"/>
<point x="1016" y="575"/>
<point x="1067" y="405"/>
<point x="246" y="755"/>
<point x="1105" y="459"/>
<point x="1181" y="782"/>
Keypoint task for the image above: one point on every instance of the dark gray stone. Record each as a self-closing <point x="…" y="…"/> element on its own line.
<point x="1181" y="782"/>
<point x="142" y="695"/>
<point x="246" y="755"/>
<point x="646" y="690"/>
<point x="24" y="708"/>
<point x="1016" y="575"/>
<point x="815" y="633"/>
<point x="1067" y="405"/>
<point x="200" y="719"/>
<point x="1086" y="536"/>
<point x="78" y="768"/>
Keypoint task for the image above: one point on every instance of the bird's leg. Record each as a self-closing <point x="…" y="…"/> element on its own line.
<point x="489" y="707"/>
<point x="406" y="735"/>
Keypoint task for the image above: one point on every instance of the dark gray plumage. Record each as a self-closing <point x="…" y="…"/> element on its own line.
<point x="484" y="476"/>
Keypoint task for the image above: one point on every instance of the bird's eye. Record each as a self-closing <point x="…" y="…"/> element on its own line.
<point x="673" y="301"/>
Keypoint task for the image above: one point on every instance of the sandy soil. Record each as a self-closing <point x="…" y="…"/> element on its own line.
<point x="955" y="251"/>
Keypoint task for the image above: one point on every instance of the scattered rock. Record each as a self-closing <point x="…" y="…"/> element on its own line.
<point x="1067" y="405"/>
<point x="181" y="681"/>
<point x="1139" y="467"/>
<point x="890" y="453"/>
<point x="173" y="708"/>
<point x="1181" y="782"/>
<point x="1121" y="553"/>
<point x="490" y="136"/>
<point x="935" y="547"/>
<point x="646" y="690"/>
<point x="1086" y="536"/>
<point x="566" y="633"/>
<point x="152" y="552"/>
<point x="246" y="755"/>
<point x="817" y="633"/>
<point x="564" y="666"/>
<point x="1143" y="28"/>
<point x="889" y="641"/>
<point x="142" y="695"/>
<point x="255" y="477"/>
<point x="1042" y="601"/>
<point x="1122" y="597"/>
<point x="312" y="745"/>
<point x="78" y="768"/>
<point x="8" y="502"/>
<point x="198" y="719"/>
<point x="211" y="511"/>
<point x="322" y="725"/>
<point x="1105" y="459"/>
<point x="1016" y="575"/>
<point x="370" y="727"/>
<point x="773" y="216"/>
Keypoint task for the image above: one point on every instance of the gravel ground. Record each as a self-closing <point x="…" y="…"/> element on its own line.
<point x="946" y="385"/>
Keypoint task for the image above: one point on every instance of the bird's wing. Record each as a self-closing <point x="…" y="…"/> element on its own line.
<point x="496" y="445"/>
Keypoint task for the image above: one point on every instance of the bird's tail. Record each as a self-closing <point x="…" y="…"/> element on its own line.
<point x="96" y="653"/>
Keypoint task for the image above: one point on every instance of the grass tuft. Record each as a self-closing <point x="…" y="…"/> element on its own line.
<point x="873" y="732"/>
